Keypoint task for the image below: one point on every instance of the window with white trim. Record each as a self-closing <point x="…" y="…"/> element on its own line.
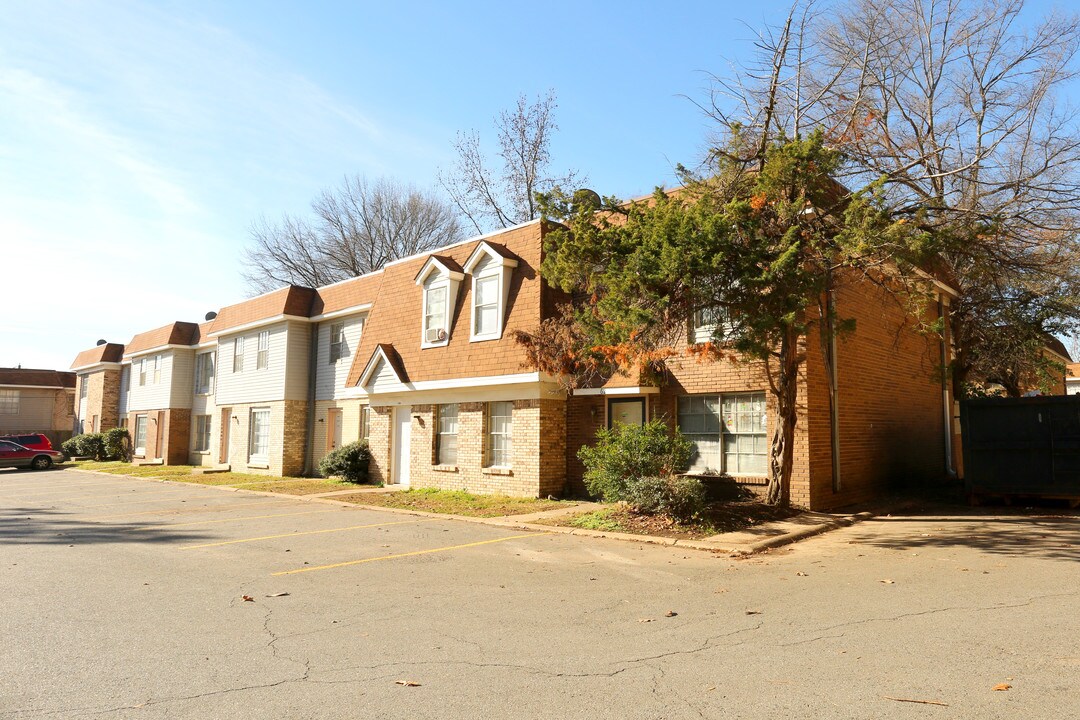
<point x="202" y="433"/>
<point x="142" y="372"/>
<point x="9" y="402"/>
<point x="708" y="325"/>
<point x="259" y="440"/>
<point x="446" y="434"/>
<point x="262" y="355"/>
<point x="338" y="348"/>
<point x="84" y="381"/>
<point x="728" y="433"/>
<point x="157" y="369"/>
<point x="486" y="303"/>
<point x="500" y="434"/>
<point x="365" y="421"/>
<point x="435" y="314"/>
<point x="140" y="435"/>
<point x="238" y="355"/>
<point x="204" y="373"/>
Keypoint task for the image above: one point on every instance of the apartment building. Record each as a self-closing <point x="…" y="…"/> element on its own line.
<point x="419" y="358"/>
<point x="37" y="401"/>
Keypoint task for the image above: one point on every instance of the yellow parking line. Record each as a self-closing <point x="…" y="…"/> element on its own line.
<point x="298" y="534"/>
<point x="408" y="554"/>
<point x="226" y="520"/>
<point x="197" y="508"/>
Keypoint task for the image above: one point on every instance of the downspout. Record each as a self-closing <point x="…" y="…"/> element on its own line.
<point x="834" y="392"/>
<point x="313" y="369"/>
<point x="946" y="404"/>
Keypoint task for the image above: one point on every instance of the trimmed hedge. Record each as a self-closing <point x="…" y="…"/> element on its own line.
<point x="91" y="445"/>
<point x="349" y="462"/>
<point x="682" y="498"/>
<point x="117" y="444"/>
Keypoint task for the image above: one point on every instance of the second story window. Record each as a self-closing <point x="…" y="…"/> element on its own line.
<point x="142" y="372"/>
<point x="486" y="306"/>
<point x="338" y="349"/>
<point x="238" y="355"/>
<point x="204" y="373"/>
<point x="262" y="357"/>
<point x="708" y="325"/>
<point x="157" y="369"/>
<point x="435" y="330"/>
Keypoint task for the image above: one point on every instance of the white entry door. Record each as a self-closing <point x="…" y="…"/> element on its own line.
<point x="402" y="430"/>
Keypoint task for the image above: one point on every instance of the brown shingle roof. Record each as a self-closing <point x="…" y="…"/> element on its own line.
<point x="109" y="352"/>
<point x="346" y="294"/>
<point x="39" y="378"/>
<point x="176" y="333"/>
<point x="291" y="300"/>
<point x="395" y="319"/>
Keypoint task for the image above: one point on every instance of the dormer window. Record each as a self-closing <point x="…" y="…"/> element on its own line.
<point x="491" y="268"/>
<point x="439" y="279"/>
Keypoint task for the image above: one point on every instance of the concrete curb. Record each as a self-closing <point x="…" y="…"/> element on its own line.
<point x="713" y="546"/>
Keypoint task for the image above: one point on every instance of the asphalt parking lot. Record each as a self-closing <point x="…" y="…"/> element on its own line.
<point x="126" y="598"/>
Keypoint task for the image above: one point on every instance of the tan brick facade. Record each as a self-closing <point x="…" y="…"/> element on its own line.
<point x="168" y="434"/>
<point x="102" y="399"/>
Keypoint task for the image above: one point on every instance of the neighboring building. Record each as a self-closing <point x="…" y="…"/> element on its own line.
<point x="98" y="393"/>
<point x="420" y="359"/>
<point x="37" y="401"/>
<point x="1072" y="379"/>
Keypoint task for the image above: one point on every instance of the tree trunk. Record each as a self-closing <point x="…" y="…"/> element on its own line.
<point x="782" y="443"/>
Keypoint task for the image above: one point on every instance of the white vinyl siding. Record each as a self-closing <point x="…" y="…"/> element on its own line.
<point x="500" y="434"/>
<point x="285" y="379"/>
<point x="383" y="379"/>
<point x="728" y="432"/>
<point x="446" y="435"/>
<point x="262" y="356"/>
<point x="180" y="378"/>
<point x="331" y="376"/>
<point x="157" y="396"/>
<point x="259" y="440"/>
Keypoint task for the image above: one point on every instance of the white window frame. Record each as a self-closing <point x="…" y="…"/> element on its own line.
<point x="142" y="372"/>
<point x="238" y="355"/>
<point x="254" y="456"/>
<point x="491" y="435"/>
<point x="446" y="427"/>
<point x="726" y="427"/>
<point x="338" y="348"/>
<point x="365" y="422"/>
<point x="495" y="332"/>
<point x="484" y="263"/>
<point x="10" y="402"/>
<point x="262" y="352"/>
<point x="443" y="286"/>
<point x="203" y="427"/>
<point x="145" y="421"/>
<point x="204" y="373"/>
<point x="703" y="330"/>
<point x="84" y="381"/>
<point x="157" y="369"/>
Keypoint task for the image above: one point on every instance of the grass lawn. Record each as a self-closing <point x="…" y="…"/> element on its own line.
<point x="718" y="518"/>
<point x="455" y="502"/>
<point x="247" y="481"/>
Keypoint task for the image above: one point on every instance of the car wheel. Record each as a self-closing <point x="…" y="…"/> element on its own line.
<point x="41" y="462"/>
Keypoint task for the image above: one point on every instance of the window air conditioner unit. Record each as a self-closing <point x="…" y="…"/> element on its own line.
<point x="435" y="335"/>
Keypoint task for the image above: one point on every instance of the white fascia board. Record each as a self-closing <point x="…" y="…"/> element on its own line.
<point x="259" y="323"/>
<point x="94" y="366"/>
<point x="635" y="390"/>
<point x="154" y="350"/>
<point x="355" y="310"/>
<point x="454" y="383"/>
<point x="525" y="386"/>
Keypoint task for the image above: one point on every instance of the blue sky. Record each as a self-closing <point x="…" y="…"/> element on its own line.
<point x="139" y="141"/>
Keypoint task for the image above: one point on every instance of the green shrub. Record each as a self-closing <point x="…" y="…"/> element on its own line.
<point x="682" y="498"/>
<point x="349" y="462"/>
<point x="630" y="452"/>
<point x="90" y="445"/>
<point x="117" y="444"/>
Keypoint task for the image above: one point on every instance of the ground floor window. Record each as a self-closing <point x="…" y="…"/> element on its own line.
<point x="500" y="433"/>
<point x="140" y="434"/>
<point x="202" y="433"/>
<point x="446" y="435"/>
<point x="365" y="422"/>
<point x="259" y="442"/>
<point x="728" y="432"/>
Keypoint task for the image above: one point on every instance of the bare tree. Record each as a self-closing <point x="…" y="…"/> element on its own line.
<point x="356" y="228"/>
<point x="503" y="193"/>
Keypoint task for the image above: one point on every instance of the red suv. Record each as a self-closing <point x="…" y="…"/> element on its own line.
<point x="34" y="441"/>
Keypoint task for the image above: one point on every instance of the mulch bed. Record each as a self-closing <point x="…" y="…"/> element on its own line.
<point x="719" y="518"/>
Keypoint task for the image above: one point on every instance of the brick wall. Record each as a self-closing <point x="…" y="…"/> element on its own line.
<point x="102" y="399"/>
<point x="288" y="422"/>
<point x="379" y="437"/>
<point x="168" y="434"/>
<point x="294" y="438"/>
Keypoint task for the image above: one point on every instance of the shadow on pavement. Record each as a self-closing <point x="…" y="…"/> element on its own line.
<point x="37" y="526"/>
